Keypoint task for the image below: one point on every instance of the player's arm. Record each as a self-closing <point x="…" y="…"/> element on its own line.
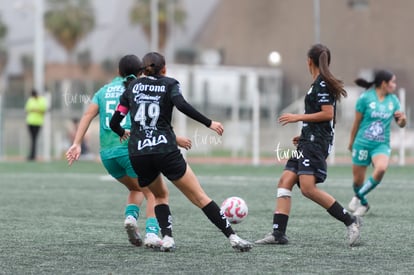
<point x="74" y="151"/>
<point x="184" y="107"/>
<point x="116" y="119"/>
<point x="326" y="114"/>
<point x="354" y="129"/>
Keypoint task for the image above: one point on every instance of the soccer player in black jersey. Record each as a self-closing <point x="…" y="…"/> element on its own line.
<point x="308" y="166"/>
<point x="153" y="149"/>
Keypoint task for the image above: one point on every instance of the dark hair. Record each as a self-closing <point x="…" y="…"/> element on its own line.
<point x="380" y="76"/>
<point x="34" y="93"/>
<point x="129" y="66"/>
<point x="321" y="58"/>
<point x="153" y="63"/>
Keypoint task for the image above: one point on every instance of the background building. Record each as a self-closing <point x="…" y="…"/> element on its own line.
<point x="232" y="37"/>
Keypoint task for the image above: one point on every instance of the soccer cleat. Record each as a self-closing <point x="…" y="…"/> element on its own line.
<point x="354" y="204"/>
<point x="239" y="244"/>
<point x="276" y="237"/>
<point x="354" y="231"/>
<point x="167" y="244"/>
<point x="152" y="240"/>
<point x="361" y="210"/>
<point x="131" y="228"/>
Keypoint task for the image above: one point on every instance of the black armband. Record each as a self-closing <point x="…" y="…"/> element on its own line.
<point x="115" y="123"/>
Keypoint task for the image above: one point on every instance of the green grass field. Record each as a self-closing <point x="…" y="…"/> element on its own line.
<point x="60" y="220"/>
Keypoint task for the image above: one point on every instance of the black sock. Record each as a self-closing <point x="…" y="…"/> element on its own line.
<point x="214" y="214"/>
<point x="163" y="214"/>
<point x="338" y="212"/>
<point x="280" y="222"/>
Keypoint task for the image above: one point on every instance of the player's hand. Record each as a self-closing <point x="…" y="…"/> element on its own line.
<point x="295" y="140"/>
<point x="127" y="134"/>
<point x="287" y="118"/>
<point x="400" y="118"/>
<point x="217" y="127"/>
<point x="350" y="147"/>
<point x="184" y="142"/>
<point x="73" y="153"/>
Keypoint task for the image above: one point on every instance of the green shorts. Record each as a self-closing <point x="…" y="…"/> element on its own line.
<point x="119" y="167"/>
<point x="362" y="155"/>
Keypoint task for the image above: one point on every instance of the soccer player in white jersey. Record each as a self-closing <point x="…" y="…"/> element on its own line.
<point x="376" y="108"/>
<point x="114" y="154"/>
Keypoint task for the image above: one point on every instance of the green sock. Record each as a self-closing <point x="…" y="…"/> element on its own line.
<point x="356" y="188"/>
<point x="132" y="210"/>
<point x="368" y="186"/>
<point x="363" y="199"/>
<point x="151" y="225"/>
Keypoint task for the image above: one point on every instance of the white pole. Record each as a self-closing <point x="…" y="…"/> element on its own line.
<point x="47" y="129"/>
<point x="169" y="51"/>
<point x="39" y="47"/>
<point x="39" y="74"/>
<point x="154" y="25"/>
<point x="401" y="160"/>
<point x="317" y="20"/>
<point x="255" y="119"/>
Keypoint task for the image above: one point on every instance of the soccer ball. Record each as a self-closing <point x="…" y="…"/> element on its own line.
<point x="235" y="209"/>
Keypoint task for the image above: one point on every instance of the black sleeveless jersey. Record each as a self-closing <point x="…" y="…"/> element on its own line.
<point x="149" y="100"/>
<point x="319" y="133"/>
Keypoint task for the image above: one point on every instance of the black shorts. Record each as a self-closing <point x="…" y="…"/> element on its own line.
<point x="148" y="167"/>
<point x="309" y="160"/>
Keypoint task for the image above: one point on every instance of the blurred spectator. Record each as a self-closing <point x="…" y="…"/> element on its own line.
<point x="35" y="108"/>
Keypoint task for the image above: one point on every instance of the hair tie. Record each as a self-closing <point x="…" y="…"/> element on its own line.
<point x="128" y="76"/>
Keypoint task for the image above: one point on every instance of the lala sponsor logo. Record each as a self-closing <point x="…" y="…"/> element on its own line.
<point x="150" y="142"/>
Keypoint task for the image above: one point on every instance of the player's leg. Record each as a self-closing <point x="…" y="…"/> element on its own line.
<point x="310" y="190"/>
<point x="380" y="163"/>
<point x="116" y="169"/>
<point x="361" y="159"/>
<point x="358" y="175"/>
<point x="151" y="223"/>
<point x="175" y="168"/>
<point x="189" y="185"/>
<point x="282" y="209"/>
<point x="163" y="213"/>
<point x="134" y="200"/>
<point x="146" y="167"/>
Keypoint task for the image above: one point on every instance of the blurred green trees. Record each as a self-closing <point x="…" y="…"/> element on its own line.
<point x="140" y="13"/>
<point x="69" y="21"/>
<point x="3" y="51"/>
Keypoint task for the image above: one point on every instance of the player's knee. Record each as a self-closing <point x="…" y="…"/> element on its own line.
<point x="307" y="191"/>
<point x="284" y="193"/>
<point x="380" y="171"/>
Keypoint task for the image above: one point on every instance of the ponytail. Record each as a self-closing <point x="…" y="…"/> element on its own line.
<point x="363" y="83"/>
<point x="321" y="57"/>
<point x="153" y="63"/>
<point x="379" y="77"/>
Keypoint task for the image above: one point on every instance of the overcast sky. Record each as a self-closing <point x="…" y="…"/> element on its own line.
<point x="114" y="36"/>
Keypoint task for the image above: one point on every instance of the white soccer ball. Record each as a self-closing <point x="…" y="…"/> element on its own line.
<point x="235" y="209"/>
